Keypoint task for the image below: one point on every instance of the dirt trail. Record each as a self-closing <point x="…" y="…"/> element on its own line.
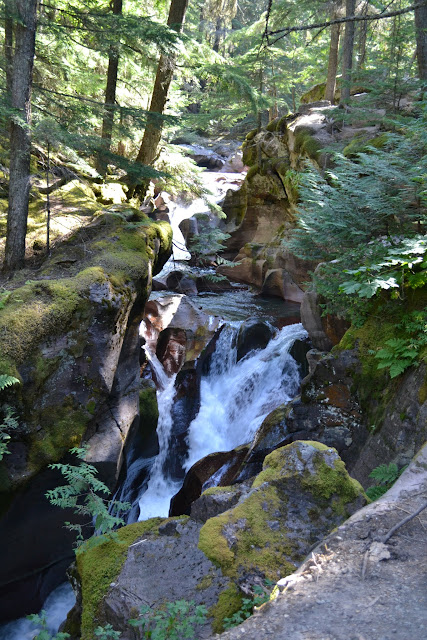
<point x="354" y="587"/>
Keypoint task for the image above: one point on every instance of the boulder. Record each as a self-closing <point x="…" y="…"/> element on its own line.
<point x="151" y="563"/>
<point x="302" y="493"/>
<point x="278" y="282"/>
<point x="179" y="312"/>
<point x="181" y="282"/>
<point x="253" y="335"/>
<point x="214" y="469"/>
<point x="72" y="338"/>
<point x="325" y="331"/>
<point x="234" y="163"/>
<point x="204" y="157"/>
<point x="351" y="567"/>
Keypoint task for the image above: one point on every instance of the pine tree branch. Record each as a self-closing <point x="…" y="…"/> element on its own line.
<point x="321" y="25"/>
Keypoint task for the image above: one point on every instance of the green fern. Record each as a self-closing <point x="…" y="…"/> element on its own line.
<point x="7" y="381"/>
<point x="7" y="423"/>
<point x="385" y="475"/>
<point x="82" y="494"/>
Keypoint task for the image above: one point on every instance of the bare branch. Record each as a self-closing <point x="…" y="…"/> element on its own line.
<point x="282" y="33"/>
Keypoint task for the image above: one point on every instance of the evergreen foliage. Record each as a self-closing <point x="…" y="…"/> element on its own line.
<point x="365" y="218"/>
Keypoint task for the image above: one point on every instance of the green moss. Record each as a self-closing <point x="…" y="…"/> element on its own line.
<point x="205" y="582"/>
<point x="257" y="546"/>
<point x="272" y="126"/>
<point x="63" y="427"/>
<point x="213" y="491"/>
<point x="306" y="145"/>
<point x="251" y="135"/>
<point x="40" y="309"/>
<point x="229" y="602"/>
<point x="363" y="144"/>
<point x="100" y="565"/>
<point x="332" y="482"/>
<point x="148" y="410"/>
<point x="422" y="393"/>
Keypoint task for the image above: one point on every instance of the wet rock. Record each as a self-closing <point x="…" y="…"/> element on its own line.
<point x="204" y="157"/>
<point x="253" y="335"/>
<point x="222" y="465"/>
<point x="180" y="313"/>
<point x="278" y="282"/>
<point x="171" y="349"/>
<point x="327" y="411"/>
<point x="181" y="282"/>
<point x="324" y="331"/>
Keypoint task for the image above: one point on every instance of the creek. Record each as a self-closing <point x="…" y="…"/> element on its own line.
<point x="235" y="397"/>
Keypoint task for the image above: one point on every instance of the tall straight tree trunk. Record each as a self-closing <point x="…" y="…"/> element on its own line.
<point x="25" y="14"/>
<point x="421" y="35"/>
<point x="347" y="55"/>
<point x="331" y="80"/>
<point x="8" y="45"/>
<point x="110" y="100"/>
<point x="363" y="32"/>
<point x="165" y="70"/>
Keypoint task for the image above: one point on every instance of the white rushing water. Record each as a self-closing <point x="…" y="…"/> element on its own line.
<point x="155" y="500"/>
<point x="56" y="606"/>
<point x="235" y="399"/>
<point x="217" y="183"/>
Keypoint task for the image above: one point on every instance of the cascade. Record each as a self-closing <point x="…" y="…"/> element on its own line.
<point x="236" y="396"/>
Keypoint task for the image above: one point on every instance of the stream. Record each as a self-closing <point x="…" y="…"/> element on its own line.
<point x="235" y="397"/>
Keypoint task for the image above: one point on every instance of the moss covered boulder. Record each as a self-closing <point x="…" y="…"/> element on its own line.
<point x="303" y="492"/>
<point x="150" y="563"/>
<point x="70" y="333"/>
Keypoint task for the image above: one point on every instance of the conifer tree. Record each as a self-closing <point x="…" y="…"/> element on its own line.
<point x="24" y="16"/>
<point x="165" y="70"/>
<point x="110" y="98"/>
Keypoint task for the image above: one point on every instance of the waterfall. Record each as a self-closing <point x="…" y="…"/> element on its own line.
<point x="235" y="399"/>
<point x="237" y="396"/>
<point x="155" y="500"/>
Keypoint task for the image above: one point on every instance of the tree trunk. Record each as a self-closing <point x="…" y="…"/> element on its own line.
<point x="347" y="56"/>
<point x="20" y="137"/>
<point x="333" y="63"/>
<point x="218" y="34"/>
<point x="165" y="70"/>
<point x="421" y="35"/>
<point x="363" y="32"/>
<point x="110" y="100"/>
<point x="8" y="45"/>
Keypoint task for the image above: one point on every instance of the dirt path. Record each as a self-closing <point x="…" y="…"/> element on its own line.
<point x="354" y="587"/>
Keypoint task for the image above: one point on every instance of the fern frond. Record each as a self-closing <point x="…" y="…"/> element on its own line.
<point x="7" y="381"/>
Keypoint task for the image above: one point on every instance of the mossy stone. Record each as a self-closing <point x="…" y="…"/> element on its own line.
<point x="271" y="529"/>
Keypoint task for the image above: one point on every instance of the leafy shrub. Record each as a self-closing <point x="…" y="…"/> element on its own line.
<point x="176" y="622"/>
<point x="40" y="620"/>
<point x="246" y="610"/>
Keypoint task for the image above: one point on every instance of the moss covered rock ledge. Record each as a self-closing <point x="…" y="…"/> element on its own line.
<point x="71" y="336"/>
